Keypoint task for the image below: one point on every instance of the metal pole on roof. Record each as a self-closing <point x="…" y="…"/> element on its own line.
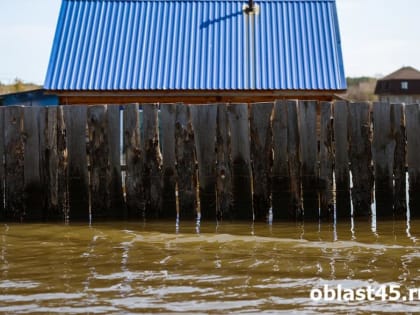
<point x="250" y="5"/>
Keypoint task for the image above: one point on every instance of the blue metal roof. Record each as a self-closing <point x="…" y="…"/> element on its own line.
<point x="196" y="45"/>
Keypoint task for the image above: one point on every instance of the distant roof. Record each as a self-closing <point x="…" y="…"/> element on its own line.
<point x="196" y="45"/>
<point x="28" y="98"/>
<point x="404" y="73"/>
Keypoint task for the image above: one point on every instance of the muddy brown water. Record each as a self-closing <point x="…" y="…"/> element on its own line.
<point x="243" y="268"/>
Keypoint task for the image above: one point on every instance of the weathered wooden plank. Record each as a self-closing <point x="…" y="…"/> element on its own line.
<point x="62" y="169"/>
<point x="241" y="164"/>
<point x="360" y="158"/>
<point x="14" y="163"/>
<point x="204" y="119"/>
<point x="2" y="170"/>
<point x="280" y="171"/>
<point x="262" y="157"/>
<point x="51" y="161"/>
<point x="185" y="157"/>
<point x="134" y="194"/>
<point x="294" y="163"/>
<point x="115" y="196"/>
<point x="167" y="122"/>
<point x="383" y="152"/>
<point x="34" y="188"/>
<point x="341" y="161"/>
<point x="224" y="166"/>
<point x="78" y="184"/>
<point x="326" y="158"/>
<point x="152" y="162"/>
<point x="412" y="119"/>
<point x="309" y="153"/>
<point x="98" y="158"/>
<point x="398" y="131"/>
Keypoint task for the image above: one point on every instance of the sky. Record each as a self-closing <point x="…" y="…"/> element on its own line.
<point x="377" y="36"/>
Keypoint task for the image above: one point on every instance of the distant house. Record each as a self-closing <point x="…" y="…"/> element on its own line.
<point x="29" y="98"/>
<point x="195" y="51"/>
<point x="401" y="86"/>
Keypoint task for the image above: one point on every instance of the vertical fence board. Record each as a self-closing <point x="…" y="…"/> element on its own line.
<point x="341" y="162"/>
<point x="167" y="121"/>
<point x="204" y="119"/>
<point x="326" y="158"/>
<point x="241" y="164"/>
<point x="134" y="194"/>
<point x="224" y="167"/>
<point x="383" y="151"/>
<point x="185" y="157"/>
<point x="98" y="156"/>
<point x="309" y="151"/>
<point x="412" y="118"/>
<point x="52" y="163"/>
<point x="114" y="182"/>
<point x="400" y="186"/>
<point x="152" y="161"/>
<point x="14" y="159"/>
<point x="294" y="163"/>
<point x="261" y="156"/>
<point x="62" y="171"/>
<point x="280" y="183"/>
<point x="34" y="190"/>
<point x="361" y="158"/>
<point x="78" y="189"/>
<point x="2" y="171"/>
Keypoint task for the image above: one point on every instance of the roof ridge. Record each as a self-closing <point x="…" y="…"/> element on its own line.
<point x="406" y="72"/>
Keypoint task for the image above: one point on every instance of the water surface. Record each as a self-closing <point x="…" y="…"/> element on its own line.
<point x="132" y="268"/>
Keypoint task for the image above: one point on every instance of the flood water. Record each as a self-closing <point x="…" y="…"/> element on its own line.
<point x="133" y="268"/>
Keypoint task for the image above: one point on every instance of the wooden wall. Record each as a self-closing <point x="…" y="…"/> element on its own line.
<point x="294" y="159"/>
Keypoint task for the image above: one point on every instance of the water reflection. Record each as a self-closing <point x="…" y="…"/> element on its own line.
<point x="148" y="267"/>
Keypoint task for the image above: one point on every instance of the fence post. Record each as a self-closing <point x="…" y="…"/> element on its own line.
<point x="98" y="156"/>
<point x="412" y="118"/>
<point x="132" y="150"/>
<point x="2" y="170"/>
<point x="185" y="157"/>
<point x="204" y="121"/>
<point x="261" y="156"/>
<point x="50" y="127"/>
<point x="14" y="159"/>
<point x="152" y="161"/>
<point x="400" y="186"/>
<point x="341" y="162"/>
<point x="241" y="164"/>
<point x="326" y="158"/>
<point x="294" y="159"/>
<point x="78" y="188"/>
<point x="35" y="189"/>
<point x="383" y="151"/>
<point x="114" y="188"/>
<point x="309" y="152"/>
<point x="361" y="158"/>
<point x="167" y="123"/>
<point x="280" y="185"/>
<point x="224" y="166"/>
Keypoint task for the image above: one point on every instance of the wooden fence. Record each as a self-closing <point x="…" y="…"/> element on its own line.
<point x="290" y="159"/>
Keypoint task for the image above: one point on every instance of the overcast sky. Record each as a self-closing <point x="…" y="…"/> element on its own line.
<point x="378" y="36"/>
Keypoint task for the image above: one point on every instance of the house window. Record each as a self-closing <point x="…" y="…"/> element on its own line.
<point x="404" y="85"/>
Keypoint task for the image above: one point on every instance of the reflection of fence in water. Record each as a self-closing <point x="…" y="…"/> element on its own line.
<point x="235" y="161"/>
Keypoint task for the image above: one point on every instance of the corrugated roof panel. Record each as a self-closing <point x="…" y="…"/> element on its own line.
<point x="196" y="45"/>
